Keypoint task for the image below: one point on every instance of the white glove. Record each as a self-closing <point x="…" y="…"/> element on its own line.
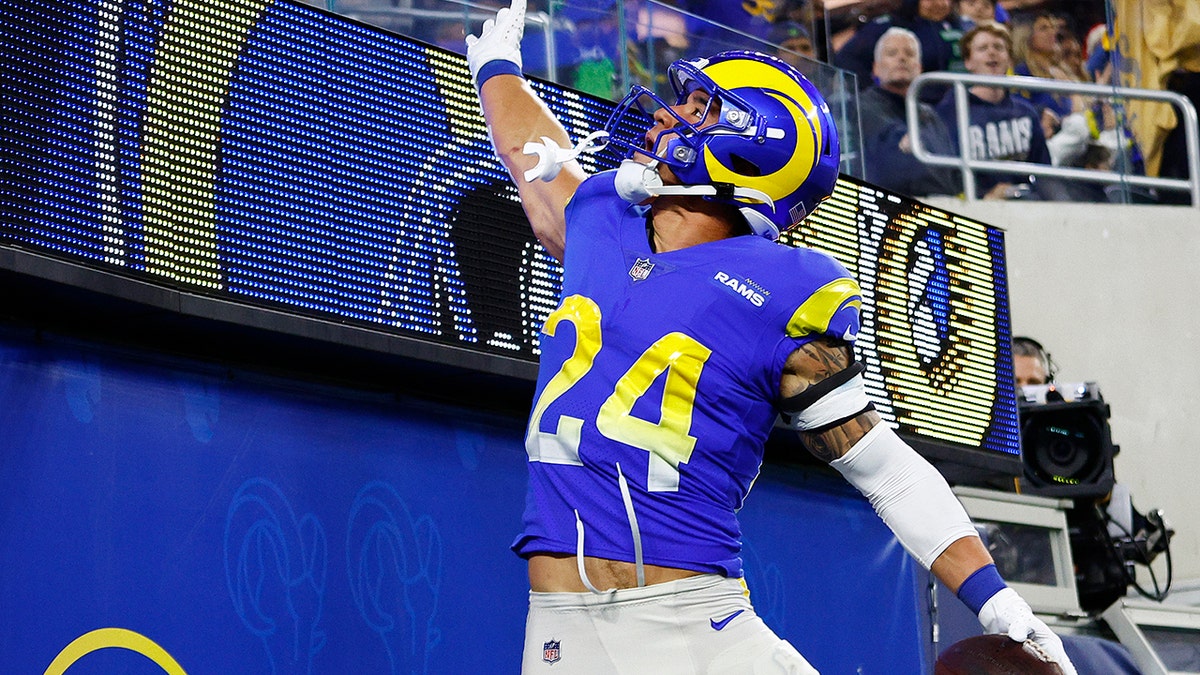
<point x="500" y="40"/>
<point x="1007" y="613"/>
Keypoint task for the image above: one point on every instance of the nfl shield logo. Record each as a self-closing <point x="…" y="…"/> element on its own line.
<point x="550" y="652"/>
<point x="641" y="269"/>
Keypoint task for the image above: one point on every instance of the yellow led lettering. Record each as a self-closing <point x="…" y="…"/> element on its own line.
<point x="182" y="134"/>
<point x="928" y="374"/>
<point x="466" y="120"/>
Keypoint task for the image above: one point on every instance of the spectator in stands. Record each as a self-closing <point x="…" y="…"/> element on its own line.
<point x="661" y="33"/>
<point x="1072" y="55"/>
<point x="974" y="12"/>
<point x="1002" y="126"/>
<point x="933" y="22"/>
<point x="1098" y="123"/>
<point x="1098" y="50"/>
<point x="597" y="43"/>
<point x="713" y="34"/>
<point x="1040" y="50"/>
<point x="1094" y="156"/>
<point x="887" y="146"/>
<point x="809" y="15"/>
<point x="1022" y="10"/>
<point x="565" y="37"/>
<point x="1094" y="135"/>
<point x="1186" y="82"/>
<point x="794" y="45"/>
<point x="1066" y="137"/>
<point x="840" y="23"/>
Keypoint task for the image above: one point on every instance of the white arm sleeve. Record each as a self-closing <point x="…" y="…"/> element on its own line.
<point x="907" y="492"/>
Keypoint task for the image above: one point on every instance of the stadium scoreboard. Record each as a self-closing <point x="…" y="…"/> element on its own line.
<point x="288" y="160"/>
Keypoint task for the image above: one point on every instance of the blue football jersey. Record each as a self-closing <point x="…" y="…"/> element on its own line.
<point x="664" y="369"/>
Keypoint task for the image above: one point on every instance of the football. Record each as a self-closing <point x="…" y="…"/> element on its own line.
<point x="995" y="655"/>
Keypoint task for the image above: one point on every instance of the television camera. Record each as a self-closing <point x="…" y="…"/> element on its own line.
<point x="1067" y="452"/>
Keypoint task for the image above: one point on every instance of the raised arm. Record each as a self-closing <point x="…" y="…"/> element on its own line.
<point x="516" y="116"/>
<point x="822" y="397"/>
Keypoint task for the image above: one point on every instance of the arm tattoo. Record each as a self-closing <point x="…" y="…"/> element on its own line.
<point x="834" y="443"/>
<point x="822" y="358"/>
<point x="811" y="363"/>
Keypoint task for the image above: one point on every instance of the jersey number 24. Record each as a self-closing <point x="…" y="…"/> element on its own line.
<point x="669" y="440"/>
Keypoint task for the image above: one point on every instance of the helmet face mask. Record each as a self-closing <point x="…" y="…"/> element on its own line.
<point x="679" y="145"/>
<point x="774" y="134"/>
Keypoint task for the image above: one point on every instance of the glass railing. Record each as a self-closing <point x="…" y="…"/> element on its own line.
<point x="601" y="47"/>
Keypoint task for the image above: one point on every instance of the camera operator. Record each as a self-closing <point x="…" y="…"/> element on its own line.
<point x="1031" y="363"/>
<point x="1108" y="535"/>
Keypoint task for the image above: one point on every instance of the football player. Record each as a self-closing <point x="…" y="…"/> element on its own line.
<point x="683" y="332"/>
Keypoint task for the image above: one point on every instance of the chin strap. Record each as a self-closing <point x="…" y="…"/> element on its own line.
<point x="551" y="156"/>
<point x="725" y="190"/>
<point x="636" y="182"/>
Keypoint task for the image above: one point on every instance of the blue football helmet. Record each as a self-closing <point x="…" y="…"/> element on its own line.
<point x="775" y="136"/>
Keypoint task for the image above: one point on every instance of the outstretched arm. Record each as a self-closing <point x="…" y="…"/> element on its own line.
<point x="822" y="397"/>
<point x="817" y="362"/>
<point x="515" y="116"/>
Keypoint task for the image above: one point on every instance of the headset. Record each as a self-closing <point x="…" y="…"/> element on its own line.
<point x="1027" y="346"/>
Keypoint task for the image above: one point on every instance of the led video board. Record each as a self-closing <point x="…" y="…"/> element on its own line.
<point x="936" y="337"/>
<point x="285" y="158"/>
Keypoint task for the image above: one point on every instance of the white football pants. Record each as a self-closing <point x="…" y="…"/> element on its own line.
<point x="701" y="625"/>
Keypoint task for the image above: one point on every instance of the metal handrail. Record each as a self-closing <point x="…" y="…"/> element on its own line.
<point x="960" y="81"/>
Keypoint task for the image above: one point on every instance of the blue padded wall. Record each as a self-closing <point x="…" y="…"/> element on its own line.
<point x="252" y="525"/>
